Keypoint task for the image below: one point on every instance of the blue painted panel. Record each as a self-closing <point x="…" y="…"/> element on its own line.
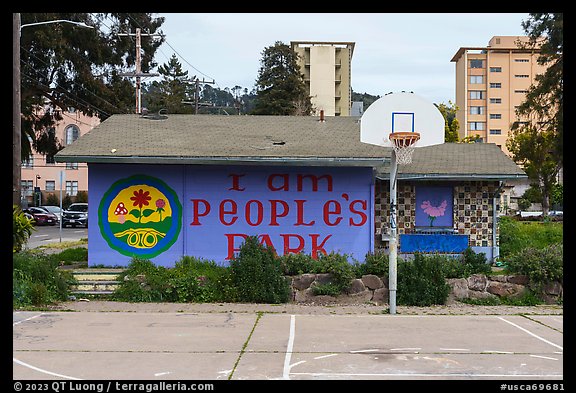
<point x="433" y="243"/>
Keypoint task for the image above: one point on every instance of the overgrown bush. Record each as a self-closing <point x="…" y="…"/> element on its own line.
<point x="69" y="255"/>
<point x="190" y="280"/>
<point x="465" y="265"/>
<point x="540" y="265"/>
<point x="377" y="264"/>
<point x="36" y="280"/>
<point x="337" y="264"/>
<point x="294" y="264"/>
<point x="518" y="235"/>
<point x="421" y="281"/>
<point x="256" y="274"/>
<point x="21" y="229"/>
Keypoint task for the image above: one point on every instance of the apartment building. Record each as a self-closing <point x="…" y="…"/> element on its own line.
<point x="41" y="172"/>
<point x="327" y="71"/>
<point x="491" y="82"/>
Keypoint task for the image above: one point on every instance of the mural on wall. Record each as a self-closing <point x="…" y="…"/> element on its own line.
<point x="208" y="211"/>
<point x="140" y="215"/>
<point x="434" y="206"/>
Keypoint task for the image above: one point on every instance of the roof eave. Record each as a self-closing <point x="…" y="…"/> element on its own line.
<point x="452" y="177"/>
<point x="296" y="161"/>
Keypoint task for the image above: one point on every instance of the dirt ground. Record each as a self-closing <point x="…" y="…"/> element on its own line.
<point x="456" y="308"/>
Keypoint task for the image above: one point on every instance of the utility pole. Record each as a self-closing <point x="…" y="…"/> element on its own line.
<point x="138" y="73"/>
<point x="197" y="92"/>
<point x="16" y="125"/>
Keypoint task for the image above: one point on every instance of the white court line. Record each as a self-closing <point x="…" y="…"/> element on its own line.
<point x="325" y="356"/>
<point x="43" y="371"/>
<point x="532" y="334"/>
<point x="286" y="373"/>
<point x="365" y="350"/>
<point x="465" y="375"/>
<point x="543" y="357"/>
<point x="27" y="319"/>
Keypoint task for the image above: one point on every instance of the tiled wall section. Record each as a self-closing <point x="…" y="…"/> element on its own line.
<point x="472" y="210"/>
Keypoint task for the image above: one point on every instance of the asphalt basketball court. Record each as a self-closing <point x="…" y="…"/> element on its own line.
<point x="264" y="346"/>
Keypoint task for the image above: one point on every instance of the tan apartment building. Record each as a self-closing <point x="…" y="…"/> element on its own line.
<point x="491" y="82"/>
<point x="327" y="71"/>
<point x="42" y="171"/>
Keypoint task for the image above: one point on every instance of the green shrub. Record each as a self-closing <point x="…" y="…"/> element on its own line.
<point x="467" y="264"/>
<point x="36" y="280"/>
<point x="143" y="281"/>
<point x="198" y="280"/>
<point x="256" y="274"/>
<point x="377" y="264"/>
<point x="21" y="229"/>
<point x="294" y="264"/>
<point x="518" y="235"/>
<point x="75" y="254"/>
<point x="338" y="265"/>
<point x="421" y="281"/>
<point x="540" y="265"/>
<point x="328" y="289"/>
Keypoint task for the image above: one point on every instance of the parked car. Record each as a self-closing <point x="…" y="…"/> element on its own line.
<point x="76" y="214"/>
<point x="54" y="210"/>
<point x="41" y="216"/>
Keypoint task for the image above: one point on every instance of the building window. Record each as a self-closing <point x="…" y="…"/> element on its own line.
<point x="476" y="63"/>
<point x="72" y="188"/>
<point x="476" y="79"/>
<point x="495" y="100"/>
<point x="72" y="133"/>
<point x="50" y="185"/>
<point x="522" y="60"/>
<point x="71" y="165"/>
<point x="28" y="163"/>
<point x="495" y="69"/>
<point x="495" y="116"/>
<point x="49" y="159"/>
<point x="27" y="187"/>
<point x="477" y="94"/>
<point x="476" y="126"/>
<point x="521" y="91"/>
<point x="476" y="110"/>
<point x="495" y="131"/>
<point x="521" y="76"/>
<point x="496" y="85"/>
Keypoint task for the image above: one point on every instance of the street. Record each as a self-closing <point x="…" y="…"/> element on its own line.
<point x="44" y="235"/>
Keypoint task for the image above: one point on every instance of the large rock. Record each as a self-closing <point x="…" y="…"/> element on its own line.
<point x="380" y="296"/>
<point x="459" y="287"/>
<point x="303" y="281"/>
<point x="477" y="282"/>
<point x="356" y="286"/>
<point x="324" y="278"/>
<point x="520" y="279"/>
<point x="372" y="281"/>
<point x="505" y="289"/>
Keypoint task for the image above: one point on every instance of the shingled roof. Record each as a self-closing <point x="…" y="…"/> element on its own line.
<point x="286" y="140"/>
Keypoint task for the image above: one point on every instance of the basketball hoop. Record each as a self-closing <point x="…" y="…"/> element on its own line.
<point x="403" y="144"/>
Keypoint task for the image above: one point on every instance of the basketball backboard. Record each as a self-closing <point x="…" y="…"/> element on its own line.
<point x="402" y="112"/>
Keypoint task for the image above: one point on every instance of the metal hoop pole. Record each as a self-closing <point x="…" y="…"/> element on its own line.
<point x="392" y="256"/>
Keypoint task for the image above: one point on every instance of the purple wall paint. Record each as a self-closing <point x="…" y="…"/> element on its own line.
<point x="294" y="209"/>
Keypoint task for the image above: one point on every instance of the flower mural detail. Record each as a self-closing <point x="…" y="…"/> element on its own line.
<point x="434" y="211"/>
<point x="141" y="199"/>
<point x="140" y="215"/>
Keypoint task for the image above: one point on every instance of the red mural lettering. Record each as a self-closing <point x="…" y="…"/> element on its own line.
<point x="300" y="214"/>
<point x="285" y="186"/>
<point x="328" y="213"/>
<point x="274" y="215"/>
<point x="231" y="249"/>
<point x="314" y="179"/>
<point x="196" y="210"/>
<point x="236" y="182"/>
<point x="259" y="212"/>
<point x="363" y="216"/>
<point x="233" y="210"/>
<point x="318" y="247"/>
<point x="287" y="248"/>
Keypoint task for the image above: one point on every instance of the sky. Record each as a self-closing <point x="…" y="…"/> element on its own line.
<point x="393" y="51"/>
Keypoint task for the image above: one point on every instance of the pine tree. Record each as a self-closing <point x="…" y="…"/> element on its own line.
<point x="280" y="87"/>
<point x="169" y="93"/>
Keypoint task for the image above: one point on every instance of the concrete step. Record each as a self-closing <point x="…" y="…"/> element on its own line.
<point x="95" y="281"/>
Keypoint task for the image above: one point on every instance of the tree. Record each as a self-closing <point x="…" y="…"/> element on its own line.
<point x="280" y="87"/>
<point x="172" y="90"/>
<point x="531" y="148"/>
<point x="451" y="124"/>
<point x="544" y="100"/>
<point x="65" y="66"/>
<point x="537" y="144"/>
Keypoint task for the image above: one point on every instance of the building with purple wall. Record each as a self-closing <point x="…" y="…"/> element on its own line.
<point x="162" y="188"/>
